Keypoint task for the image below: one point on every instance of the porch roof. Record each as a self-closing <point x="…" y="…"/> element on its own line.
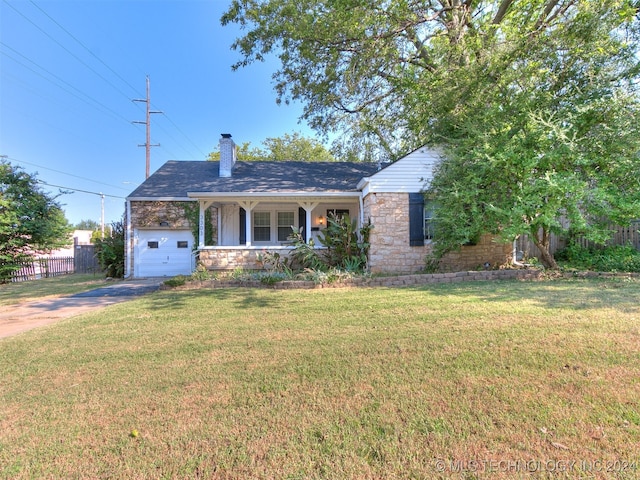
<point x="200" y="179"/>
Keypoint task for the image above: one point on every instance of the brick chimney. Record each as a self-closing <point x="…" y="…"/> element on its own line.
<point x="227" y="155"/>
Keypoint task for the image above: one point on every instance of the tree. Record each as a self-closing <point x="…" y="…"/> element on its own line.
<point x="288" y="147"/>
<point x="87" y="225"/>
<point x="110" y="250"/>
<point x="31" y="221"/>
<point x="244" y="151"/>
<point x="297" y="147"/>
<point x="534" y="102"/>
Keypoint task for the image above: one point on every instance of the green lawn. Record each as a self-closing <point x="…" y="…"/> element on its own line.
<point x="12" y="293"/>
<point x="478" y="380"/>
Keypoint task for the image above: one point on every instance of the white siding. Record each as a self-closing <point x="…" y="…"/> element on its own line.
<point x="411" y="173"/>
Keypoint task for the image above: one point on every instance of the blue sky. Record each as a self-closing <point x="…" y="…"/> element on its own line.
<point x="70" y="69"/>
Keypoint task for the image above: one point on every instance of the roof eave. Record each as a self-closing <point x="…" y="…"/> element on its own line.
<point x="192" y="195"/>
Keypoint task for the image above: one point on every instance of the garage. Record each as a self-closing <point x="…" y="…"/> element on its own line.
<point x="163" y="253"/>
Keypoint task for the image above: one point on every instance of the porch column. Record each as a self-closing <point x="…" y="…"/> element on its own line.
<point x="248" y="208"/>
<point x="203" y="205"/>
<point x="308" y="208"/>
<point x="201" y="225"/>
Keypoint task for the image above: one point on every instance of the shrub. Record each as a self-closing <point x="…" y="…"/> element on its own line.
<point x="615" y="258"/>
<point x="176" y="281"/>
<point x="110" y="251"/>
<point x="201" y="273"/>
<point x="304" y="255"/>
<point x="347" y="247"/>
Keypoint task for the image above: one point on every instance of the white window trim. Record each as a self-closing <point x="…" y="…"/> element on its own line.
<point x="273" y="224"/>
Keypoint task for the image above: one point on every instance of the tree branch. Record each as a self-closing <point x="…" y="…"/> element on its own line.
<point x="502" y="11"/>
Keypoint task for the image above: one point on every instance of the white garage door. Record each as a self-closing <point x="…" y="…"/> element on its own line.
<point x="163" y="253"/>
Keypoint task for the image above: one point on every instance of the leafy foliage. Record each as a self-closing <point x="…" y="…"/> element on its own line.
<point x="31" y="221"/>
<point x="616" y="258"/>
<point x="87" y="225"/>
<point x="192" y="212"/>
<point x="274" y="262"/>
<point x="535" y="102"/>
<point x="304" y="254"/>
<point x="287" y="147"/>
<point x="110" y="251"/>
<point x="347" y="247"/>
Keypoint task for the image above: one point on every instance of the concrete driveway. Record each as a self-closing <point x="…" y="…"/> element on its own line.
<point x="21" y="317"/>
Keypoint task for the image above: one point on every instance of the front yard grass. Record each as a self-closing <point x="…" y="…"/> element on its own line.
<point x="33" y="290"/>
<point x="476" y="380"/>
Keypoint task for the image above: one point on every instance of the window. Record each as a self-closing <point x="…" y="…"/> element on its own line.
<point x="152" y="244"/>
<point x="338" y="213"/>
<point x="183" y="244"/>
<point x="285" y="221"/>
<point x="421" y="219"/>
<point x="261" y="226"/>
<point x="429" y="215"/>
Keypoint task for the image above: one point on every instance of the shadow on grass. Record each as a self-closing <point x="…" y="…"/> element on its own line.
<point x="578" y="294"/>
<point x="241" y="297"/>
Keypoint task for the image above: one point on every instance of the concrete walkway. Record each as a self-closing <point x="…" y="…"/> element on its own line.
<point x="21" y="317"/>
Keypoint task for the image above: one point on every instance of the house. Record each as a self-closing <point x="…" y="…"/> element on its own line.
<point x="226" y="213"/>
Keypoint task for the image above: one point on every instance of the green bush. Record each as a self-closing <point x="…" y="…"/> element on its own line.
<point x="110" y="251"/>
<point x="347" y="247"/>
<point x="604" y="259"/>
<point x="176" y="281"/>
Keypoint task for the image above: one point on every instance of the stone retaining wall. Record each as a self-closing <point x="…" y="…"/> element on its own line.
<point x="390" y="281"/>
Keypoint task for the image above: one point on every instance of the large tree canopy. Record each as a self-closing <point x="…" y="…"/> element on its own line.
<point x="288" y="147"/>
<point x="534" y="102"/>
<point x="31" y="221"/>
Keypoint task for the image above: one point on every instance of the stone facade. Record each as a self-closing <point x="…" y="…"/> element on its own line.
<point x="229" y="258"/>
<point x="152" y="214"/>
<point x="486" y="254"/>
<point x="390" y="251"/>
<point x="389" y="238"/>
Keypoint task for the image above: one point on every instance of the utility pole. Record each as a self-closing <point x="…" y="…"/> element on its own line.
<point x="147" y="144"/>
<point x="102" y="215"/>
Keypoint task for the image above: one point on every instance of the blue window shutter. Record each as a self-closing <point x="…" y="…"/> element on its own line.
<point x="243" y="226"/>
<point x="416" y="219"/>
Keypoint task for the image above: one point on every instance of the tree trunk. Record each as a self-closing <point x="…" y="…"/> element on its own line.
<point x="542" y="240"/>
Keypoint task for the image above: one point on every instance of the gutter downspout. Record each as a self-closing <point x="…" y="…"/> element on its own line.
<point x="514" y="256"/>
<point x="127" y="240"/>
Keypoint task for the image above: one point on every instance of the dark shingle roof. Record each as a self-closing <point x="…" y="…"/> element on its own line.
<point x="177" y="178"/>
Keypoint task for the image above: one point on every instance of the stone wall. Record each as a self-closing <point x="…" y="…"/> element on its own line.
<point x="486" y="254"/>
<point x="229" y="258"/>
<point x="390" y="251"/>
<point x="151" y="214"/>
<point x="389" y="238"/>
<point x="387" y="281"/>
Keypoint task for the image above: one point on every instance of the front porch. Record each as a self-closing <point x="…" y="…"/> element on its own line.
<point x="248" y="225"/>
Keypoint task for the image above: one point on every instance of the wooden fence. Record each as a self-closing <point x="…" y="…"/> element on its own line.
<point x="627" y="235"/>
<point x="44" y="268"/>
<point x="83" y="261"/>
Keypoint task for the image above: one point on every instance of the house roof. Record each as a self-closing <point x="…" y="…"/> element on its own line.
<point x="175" y="179"/>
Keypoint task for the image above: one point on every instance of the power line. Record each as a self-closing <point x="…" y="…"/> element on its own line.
<point x="71" y="189"/>
<point x="65" y="173"/>
<point x="84" y="46"/>
<point x="147" y="122"/>
<point x="118" y="76"/>
<point x="67" y="50"/>
<point x="96" y="102"/>
<point x="88" y="99"/>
